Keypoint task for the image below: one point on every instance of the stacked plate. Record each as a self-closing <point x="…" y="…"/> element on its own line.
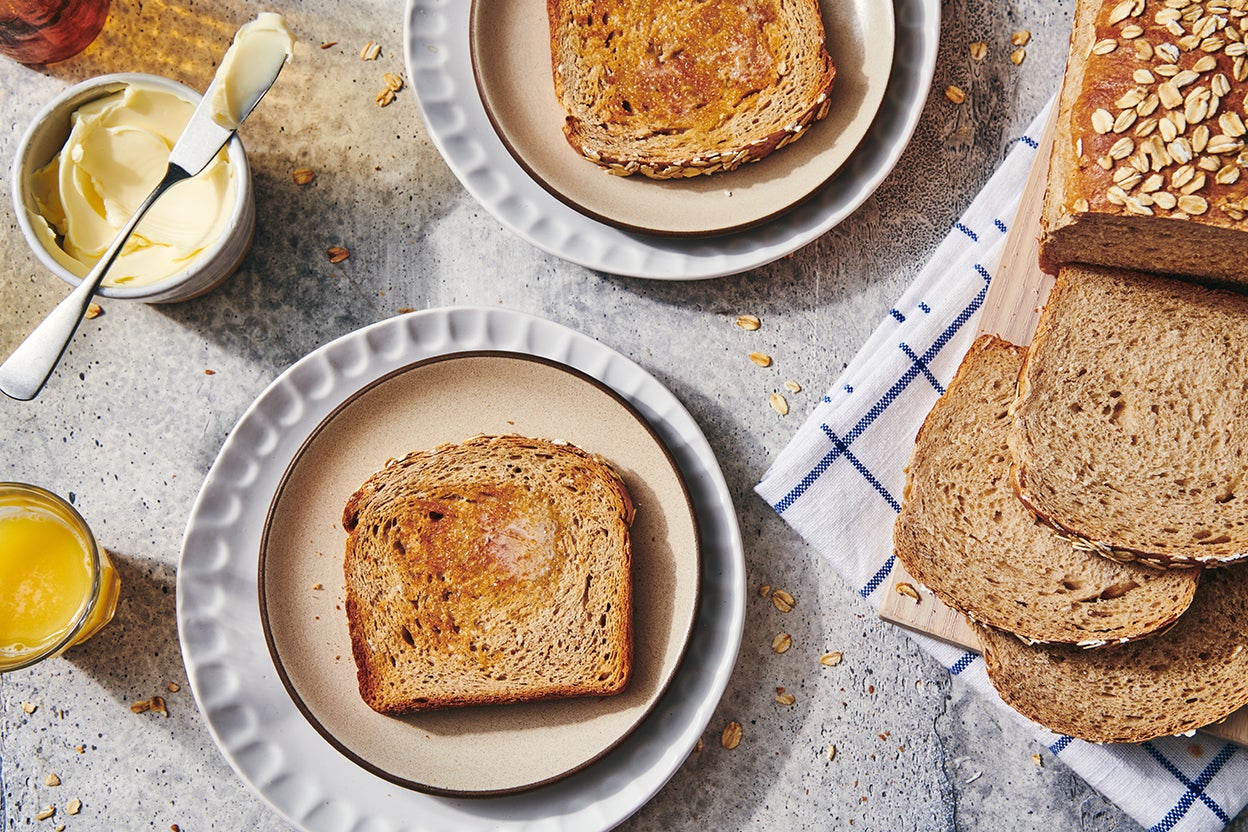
<point x="260" y="581"/>
<point x="482" y="76"/>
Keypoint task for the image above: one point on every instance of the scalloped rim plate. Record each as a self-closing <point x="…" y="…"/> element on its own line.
<point x="484" y="750"/>
<point x="440" y="68"/>
<point x="509" y="43"/>
<point x="259" y="730"/>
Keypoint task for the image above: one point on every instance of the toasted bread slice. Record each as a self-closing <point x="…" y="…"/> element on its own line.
<point x="964" y="534"/>
<point x="683" y="87"/>
<point x="494" y="570"/>
<point x="1132" y="412"/>
<point x="1192" y="675"/>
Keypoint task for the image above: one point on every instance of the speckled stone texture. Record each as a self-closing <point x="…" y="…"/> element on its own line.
<point x="142" y="401"/>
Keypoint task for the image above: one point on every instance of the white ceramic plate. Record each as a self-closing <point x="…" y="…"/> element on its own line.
<point x="440" y="67"/>
<point x="482" y="750"/>
<point x="256" y="724"/>
<point x="510" y="50"/>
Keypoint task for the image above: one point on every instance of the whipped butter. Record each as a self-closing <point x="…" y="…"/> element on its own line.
<point x="249" y="67"/>
<point x="117" y="152"/>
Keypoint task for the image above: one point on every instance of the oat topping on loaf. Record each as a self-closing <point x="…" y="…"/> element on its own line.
<point x="685" y="87"/>
<point x="1151" y="127"/>
<point x="493" y="570"/>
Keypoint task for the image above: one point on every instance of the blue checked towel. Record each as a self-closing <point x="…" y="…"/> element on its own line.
<point x="839" y="481"/>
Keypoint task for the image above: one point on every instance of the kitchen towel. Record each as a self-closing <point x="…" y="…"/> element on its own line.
<point x="839" y="482"/>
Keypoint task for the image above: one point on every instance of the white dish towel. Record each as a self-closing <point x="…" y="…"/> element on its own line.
<point x="839" y="481"/>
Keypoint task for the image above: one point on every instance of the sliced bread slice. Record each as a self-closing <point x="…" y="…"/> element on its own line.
<point x="493" y="570"/>
<point x="1131" y="425"/>
<point x="1192" y="675"/>
<point x="963" y="533"/>
<point x="685" y="87"/>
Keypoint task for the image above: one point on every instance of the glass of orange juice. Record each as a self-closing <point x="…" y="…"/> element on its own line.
<point x="57" y="586"/>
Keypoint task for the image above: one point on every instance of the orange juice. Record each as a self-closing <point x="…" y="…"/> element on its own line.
<point x="56" y="587"/>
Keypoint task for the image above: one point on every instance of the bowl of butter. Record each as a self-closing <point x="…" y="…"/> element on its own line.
<point x="93" y="154"/>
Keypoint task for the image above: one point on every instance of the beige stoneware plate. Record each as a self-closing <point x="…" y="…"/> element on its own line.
<point x="510" y="48"/>
<point x="484" y="750"/>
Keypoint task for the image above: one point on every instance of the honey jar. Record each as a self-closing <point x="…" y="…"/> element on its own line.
<point x="57" y="586"/>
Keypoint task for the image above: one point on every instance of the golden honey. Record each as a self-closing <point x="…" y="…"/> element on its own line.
<point x="57" y="588"/>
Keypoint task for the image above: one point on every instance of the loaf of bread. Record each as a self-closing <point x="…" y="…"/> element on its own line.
<point x="1192" y="675"/>
<point x="964" y="534"/>
<point x="494" y="570"/>
<point x="1130" y="429"/>
<point x="1148" y="157"/>
<point x="684" y="87"/>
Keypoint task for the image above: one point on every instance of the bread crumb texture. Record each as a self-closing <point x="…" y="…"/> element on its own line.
<point x="493" y="570"/>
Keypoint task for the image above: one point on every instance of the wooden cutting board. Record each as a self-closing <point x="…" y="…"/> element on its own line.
<point x="1011" y="309"/>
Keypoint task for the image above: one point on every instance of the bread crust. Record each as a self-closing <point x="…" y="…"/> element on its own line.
<point x="647" y="86"/>
<point x="1143" y="194"/>
<point x="490" y="571"/>
<point x="1192" y="675"/>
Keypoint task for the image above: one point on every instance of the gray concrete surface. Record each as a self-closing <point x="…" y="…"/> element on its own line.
<point x="133" y="419"/>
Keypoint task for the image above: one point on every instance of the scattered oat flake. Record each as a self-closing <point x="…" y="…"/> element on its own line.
<point x="210" y="372"/>
<point x="831" y="659"/>
<point x="94" y="310"/>
<point x="782" y="642"/>
<point x="955" y="94"/>
<point x="403" y="310"/>
<point x="29" y="707"/>
<point x="909" y="591"/>
<point x="1038" y="760"/>
<point x="779" y="404"/>
<point x="749" y="322"/>
<point x="785" y="699"/>
<point x="370" y="52"/>
<point x="1018" y="56"/>
<point x="762" y="359"/>
<point x="157" y="706"/>
<point x="384" y="98"/>
<point x="730" y="738"/>
<point x="303" y="176"/>
<point x="831" y="752"/>
<point x="81" y="749"/>
<point x="393" y="82"/>
<point x="52" y="779"/>
<point x="337" y="254"/>
<point x="73" y="807"/>
<point x="697" y="746"/>
<point x="978" y="50"/>
<point x="318" y="586"/>
<point x="793" y="387"/>
<point x="764" y="590"/>
<point x="141" y="706"/>
<point x="782" y="600"/>
<point x="45" y="813"/>
<point x="173" y="687"/>
<point x="329" y="44"/>
<point x="1021" y="38"/>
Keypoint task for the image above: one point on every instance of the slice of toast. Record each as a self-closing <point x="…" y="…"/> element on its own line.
<point x="964" y="534"/>
<point x="1132" y="412"/>
<point x="684" y="87"/>
<point x="1192" y="675"/>
<point x="494" y="570"/>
